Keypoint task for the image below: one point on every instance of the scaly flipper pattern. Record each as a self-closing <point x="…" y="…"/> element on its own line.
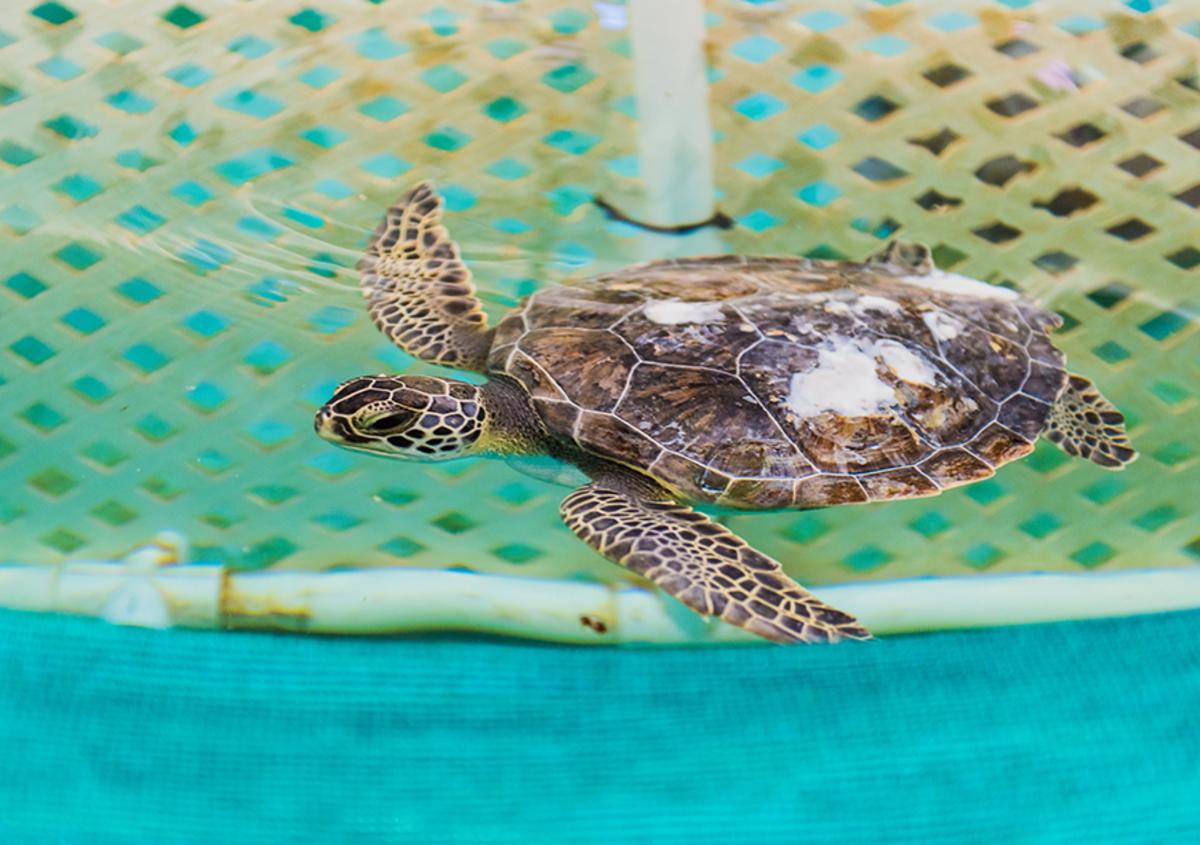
<point x="418" y="290"/>
<point x="1086" y="425"/>
<point x="704" y="565"/>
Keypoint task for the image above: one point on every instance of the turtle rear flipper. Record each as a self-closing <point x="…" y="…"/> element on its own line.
<point x="704" y="565"/>
<point x="419" y="291"/>
<point x="1086" y="425"/>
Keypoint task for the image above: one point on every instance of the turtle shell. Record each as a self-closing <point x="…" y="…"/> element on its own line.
<point x="764" y="383"/>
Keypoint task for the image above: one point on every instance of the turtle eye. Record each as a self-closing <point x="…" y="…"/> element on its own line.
<point x="392" y="422"/>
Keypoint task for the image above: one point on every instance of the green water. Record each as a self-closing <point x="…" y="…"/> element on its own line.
<point x="182" y="202"/>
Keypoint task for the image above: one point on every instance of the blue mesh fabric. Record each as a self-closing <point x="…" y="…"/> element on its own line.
<point x="1073" y="733"/>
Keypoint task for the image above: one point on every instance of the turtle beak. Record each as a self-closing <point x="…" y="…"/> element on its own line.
<point x="323" y="422"/>
<point x="334" y="428"/>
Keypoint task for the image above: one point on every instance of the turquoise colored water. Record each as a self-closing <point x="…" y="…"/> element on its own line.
<point x="1069" y="733"/>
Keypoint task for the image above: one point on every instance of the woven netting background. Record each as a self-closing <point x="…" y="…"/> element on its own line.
<point x="184" y="187"/>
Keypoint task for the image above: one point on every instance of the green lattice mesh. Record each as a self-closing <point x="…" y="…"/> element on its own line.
<point x="183" y="188"/>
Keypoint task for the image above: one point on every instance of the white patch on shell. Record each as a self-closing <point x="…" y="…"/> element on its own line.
<point x="844" y="381"/>
<point x="942" y="324"/>
<point x="944" y="282"/>
<point x="867" y="302"/>
<point x="847" y="381"/>
<point x="847" y="302"/>
<point x="672" y="312"/>
<point x="905" y="364"/>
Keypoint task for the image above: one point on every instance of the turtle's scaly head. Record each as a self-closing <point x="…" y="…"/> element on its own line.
<point x="417" y="417"/>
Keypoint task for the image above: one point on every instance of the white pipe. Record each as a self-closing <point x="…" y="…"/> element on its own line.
<point x="675" y="139"/>
<point x="400" y="600"/>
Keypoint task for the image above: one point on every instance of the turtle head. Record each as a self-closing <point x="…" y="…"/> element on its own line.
<point x="417" y="417"/>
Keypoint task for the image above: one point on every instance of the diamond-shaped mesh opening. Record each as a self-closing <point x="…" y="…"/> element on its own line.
<point x="1056" y="261"/>
<point x="1041" y="525"/>
<point x="947" y="256"/>
<point x="52" y="13"/>
<point x="63" y="541"/>
<point x="1067" y="202"/>
<point x="53" y="482"/>
<point x="517" y="553"/>
<point x="1110" y="295"/>
<point x="1011" y="105"/>
<point x="1142" y="107"/>
<point x="1140" y="165"/>
<point x="1185" y="259"/>
<point x="454" y="522"/>
<point x="1016" y="48"/>
<point x="1130" y="230"/>
<point x="938" y="141"/>
<point x="998" y="233"/>
<point x="878" y="170"/>
<point x="1081" y="135"/>
<point x="875" y="107"/>
<point x="931" y="200"/>
<point x="1190" y="197"/>
<point x="945" y="75"/>
<point x="982" y="555"/>
<point x="999" y="171"/>
<point x="1093" y="554"/>
<point x="183" y="17"/>
<point x="1139" y="51"/>
<point x="114" y="512"/>
<point x="1111" y="352"/>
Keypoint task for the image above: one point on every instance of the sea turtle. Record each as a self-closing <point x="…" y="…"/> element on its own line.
<point x="724" y="382"/>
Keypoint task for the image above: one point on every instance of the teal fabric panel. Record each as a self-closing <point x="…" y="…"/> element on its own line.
<point x="1071" y="733"/>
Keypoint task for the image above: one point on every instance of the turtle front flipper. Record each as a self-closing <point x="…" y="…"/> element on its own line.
<point x="1086" y="425"/>
<point x="419" y="291"/>
<point x="704" y="565"/>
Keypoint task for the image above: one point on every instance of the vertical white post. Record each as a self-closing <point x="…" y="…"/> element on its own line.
<point x="675" y="143"/>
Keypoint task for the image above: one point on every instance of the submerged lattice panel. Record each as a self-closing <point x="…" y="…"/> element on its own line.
<point x="183" y="188"/>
